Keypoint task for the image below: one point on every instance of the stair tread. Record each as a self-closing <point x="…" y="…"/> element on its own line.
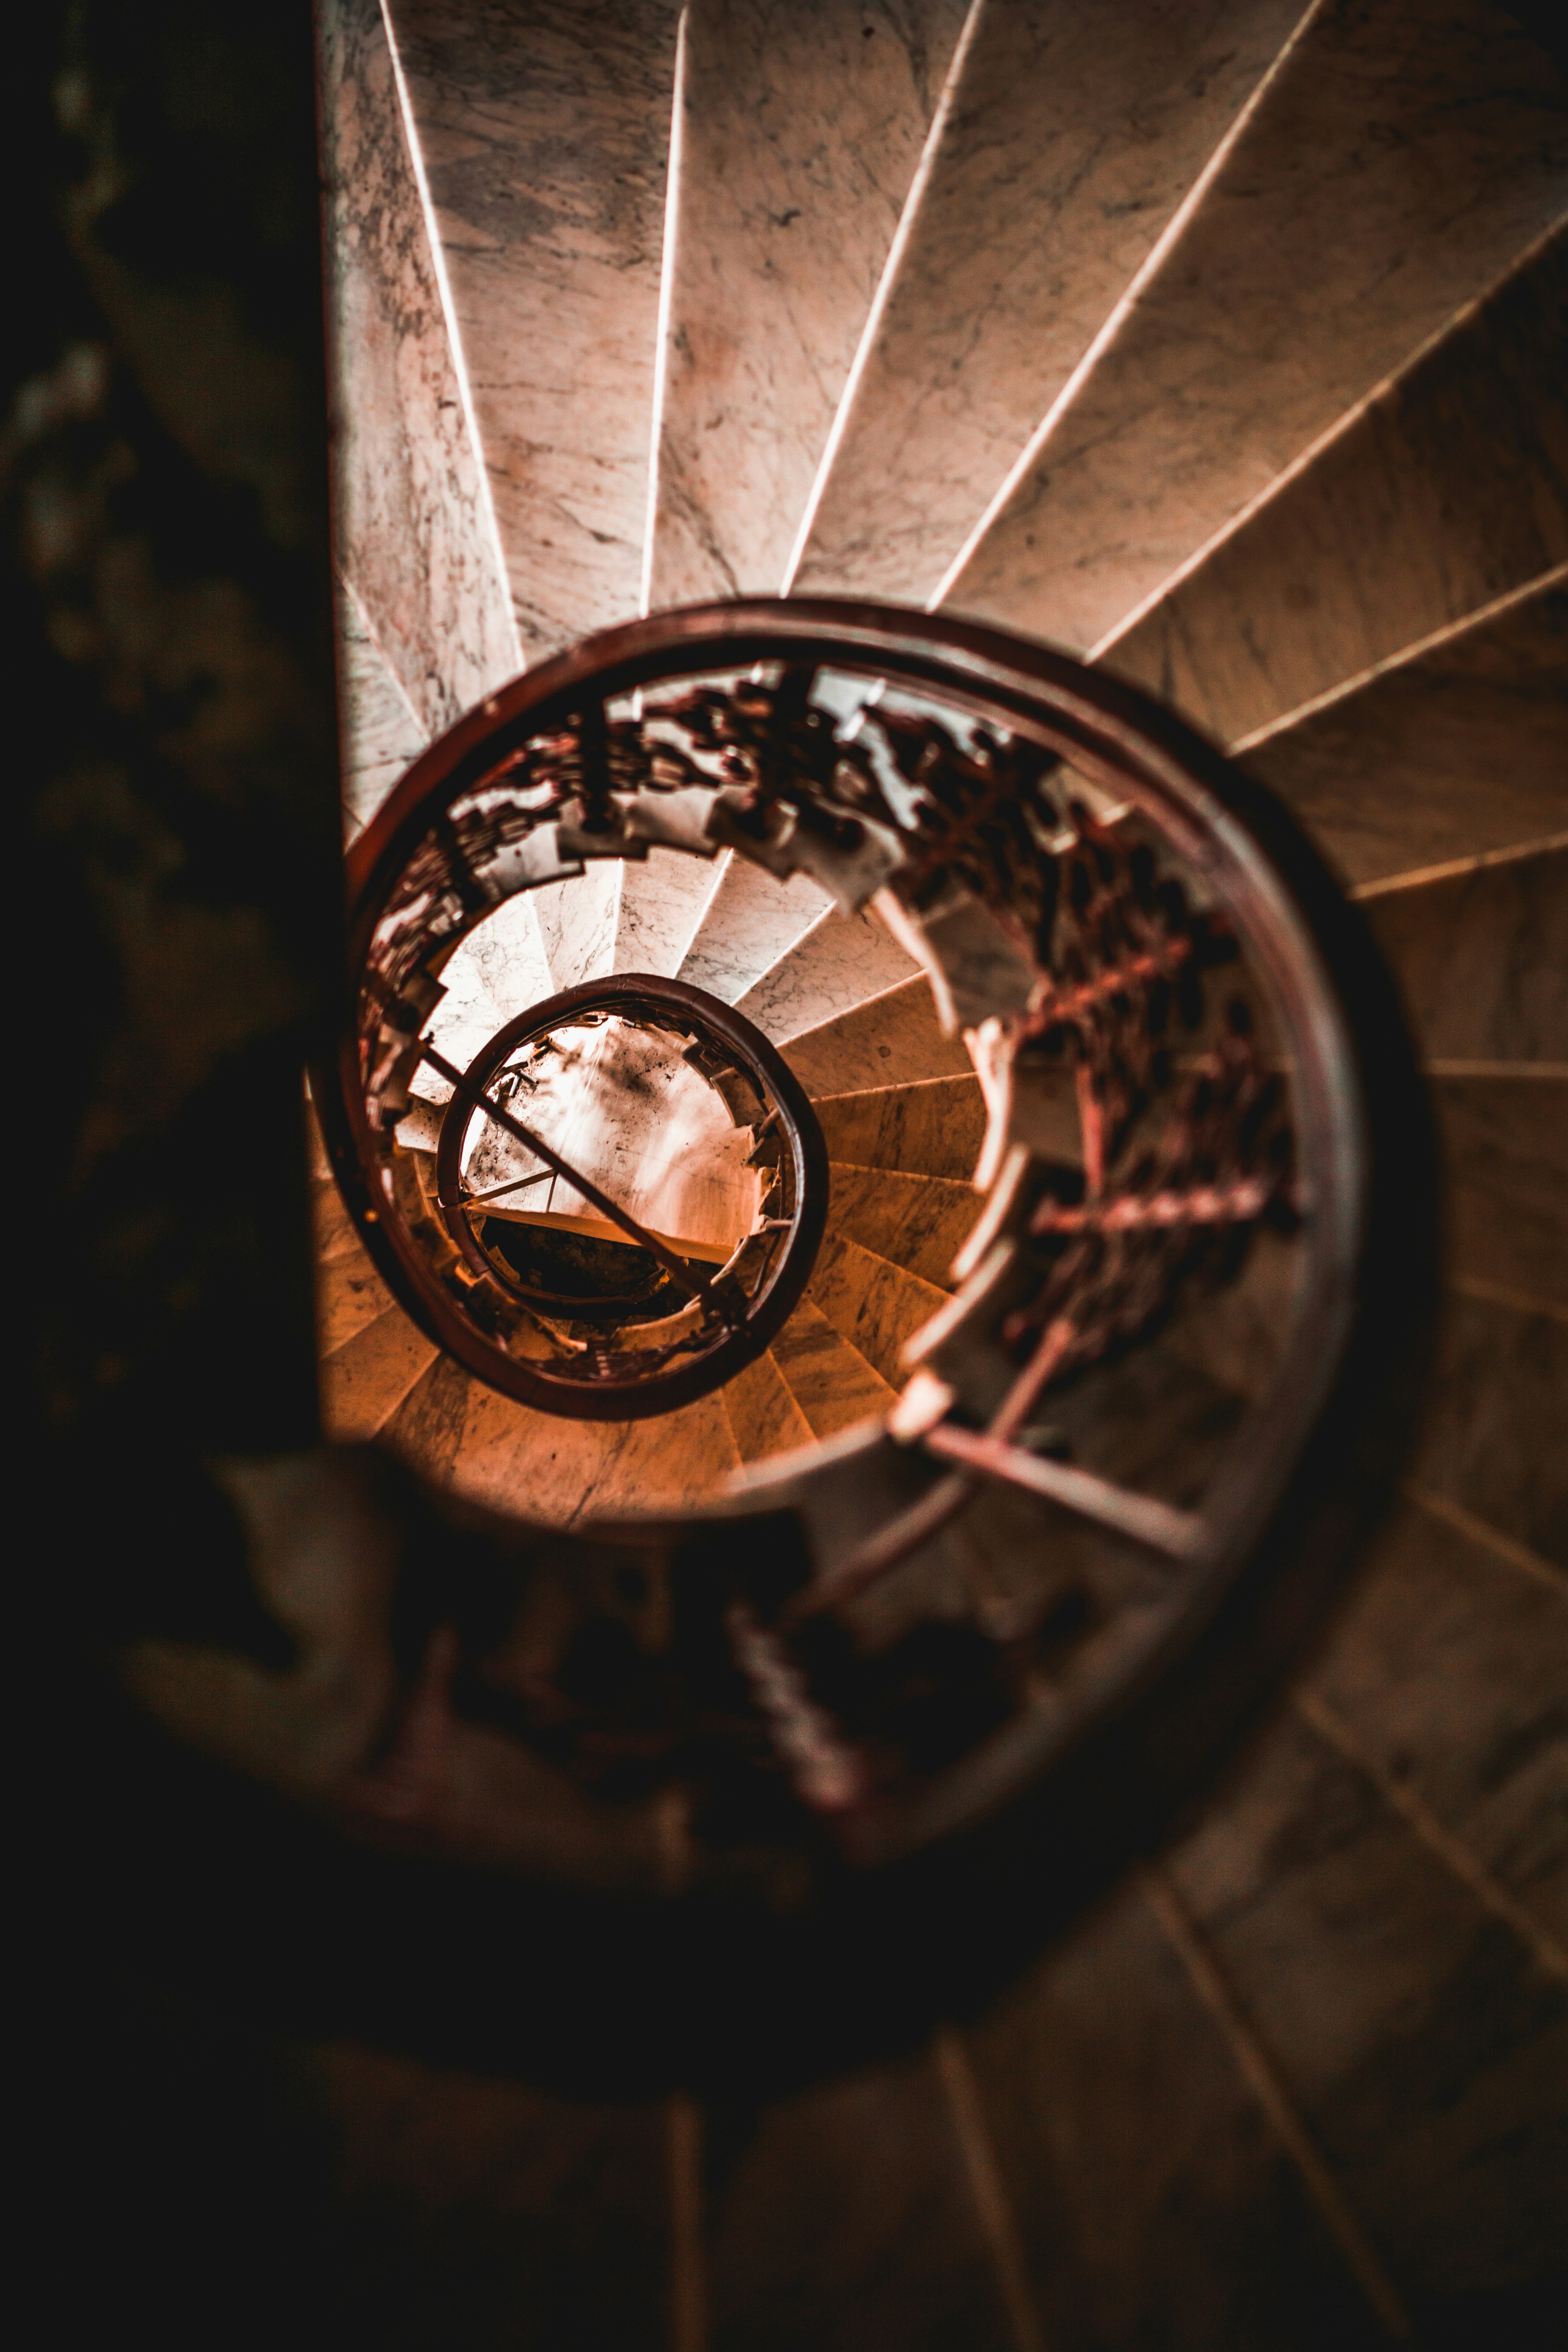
<point x="556" y="297"/>
<point x="365" y="1380"/>
<point x="800" y="132"/>
<point x="543" y="1467"/>
<point x="1449" y="489"/>
<point x="1447" y="1666"/>
<point x="752" y="921"/>
<point x="1505" y="1152"/>
<point x="1482" y="956"/>
<point x="349" y="1294"/>
<point x="841" y="962"/>
<point x="1072" y="137"/>
<point x="872" y="1303"/>
<point x="379" y="734"/>
<point x="828" y="1378"/>
<point x="933" y="1127"/>
<point x="763" y="1415"/>
<point x="845" y="2218"/>
<point x="1491" y="1439"/>
<point x="916" y="1222"/>
<point x="414" y="524"/>
<point x="1454" y="752"/>
<point x="1333" y="240"/>
<point x="895" y="1037"/>
<point x="660" y="907"/>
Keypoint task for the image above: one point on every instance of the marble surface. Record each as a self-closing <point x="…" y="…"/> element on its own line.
<point x="1460" y="750"/>
<point x="1492" y="1440"/>
<point x="1073" y="135"/>
<point x="1505" y="1150"/>
<point x="801" y="123"/>
<point x="934" y="1128"/>
<point x="893" y="1038"/>
<point x="545" y="126"/>
<point x="750" y="922"/>
<point x="1387" y="1997"/>
<point x="845" y="2220"/>
<point x="1448" y="1667"/>
<point x="873" y="1304"/>
<point x="498" y="971"/>
<point x="1448" y="490"/>
<point x="764" y="1416"/>
<point x="365" y="1380"/>
<point x="563" y="1472"/>
<point x="349" y="1294"/>
<point x="829" y="1380"/>
<point x="662" y="903"/>
<point x="1482" y="960"/>
<point x="1192" y="2235"/>
<point x="412" y="524"/>
<point x="918" y="1223"/>
<point x="842" y="961"/>
<point x="380" y="734"/>
<point x="1394" y="168"/>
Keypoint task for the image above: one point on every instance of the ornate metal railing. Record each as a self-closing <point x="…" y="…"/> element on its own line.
<point x="1134" y="1406"/>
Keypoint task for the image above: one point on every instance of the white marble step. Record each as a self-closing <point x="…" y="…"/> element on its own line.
<point x="1068" y="136"/>
<point x="749" y="924"/>
<point x="1481" y="958"/>
<point x="379" y="734"/>
<point x="661" y="906"/>
<point x="841" y="962"/>
<point x="545" y="126"/>
<point x="799" y="130"/>
<point x="893" y="1039"/>
<point x="1446" y="491"/>
<point x="413" y="522"/>
<point x="1393" y="164"/>
<point x="1457" y="750"/>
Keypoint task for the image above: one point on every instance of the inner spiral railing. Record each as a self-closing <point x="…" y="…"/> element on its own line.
<point x="1157" y="1315"/>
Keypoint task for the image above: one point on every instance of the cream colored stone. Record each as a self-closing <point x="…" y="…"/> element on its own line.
<point x="895" y="1037"/>
<point x="1396" y="164"/>
<point x="750" y="924"/>
<point x="1073" y="133"/>
<point x="842" y="960"/>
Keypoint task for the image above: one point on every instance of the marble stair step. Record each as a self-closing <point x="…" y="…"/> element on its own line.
<point x="542" y="1466"/>
<point x="1068" y="139"/>
<point x="380" y="735"/>
<point x="1481" y="957"/>
<point x="844" y="2217"/>
<point x="750" y="922"/>
<point x="660" y="910"/>
<point x="1446" y="1670"/>
<point x="365" y="1380"/>
<point x="1504" y="1142"/>
<point x="763" y="1415"/>
<point x="414" y="525"/>
<point x="544" y="127"/>
<point x="1393" y="166"/>
<point x="799" y="132"/>
<point x="1197" y="2234"/>
<point x="841" y="962"/>
<point x="829" y="1381"/>
<point x="1344" y="1944"/>
<point x="1456" y="750"/>
<point x="872" y="1303"/>
<point x="934" y="1127"/>
<point x="1491" y="1440"/>
<point x="333" y="1232"/>
<point x="349" y="1294"/>
<point x="918" y="1222"/>
<point x="893" y="1039"/>
<point x="1448" y="490"/>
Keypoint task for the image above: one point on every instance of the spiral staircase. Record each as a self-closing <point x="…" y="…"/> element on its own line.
<point x="1223" y="347"/>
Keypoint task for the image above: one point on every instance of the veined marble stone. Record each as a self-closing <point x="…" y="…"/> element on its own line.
<point x="415" y="532"/>
<point x="500" y="971"/>
<point x="843" y="959"/>
<point x="1396" y="164"/>
<point x="662" y="904"/>
<point x="1459" y="750"/>
<point x="380" y="731"/>
<point x="764" y="1416"/>
<point x="752" y="921"/>
<point x="365" y="1380"/>
<point x="1072" y="134"/>
<point x="919" y="1223"/>
<point x="1482" y="960"/>
<point x="829" y="1378"/>
<point x="872" y="1303"/>
<point x="1445" y="491"/>
<point x="888" y="1041"/>
<point x="545" y="126"/>
<point x="934" y="1128"/>
<point x="801" y="123"/>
